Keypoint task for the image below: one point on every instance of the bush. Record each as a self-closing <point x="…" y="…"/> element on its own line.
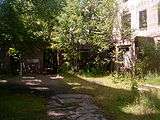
<point x="148" y="61"/>
<point x="92" y="71"/>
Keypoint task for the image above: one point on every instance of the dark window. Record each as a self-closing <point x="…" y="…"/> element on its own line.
<point x="125" y="0"/>
<point x="159" y="14"/>
<point x="143" y="19"/>
<point x="126" y="25"/>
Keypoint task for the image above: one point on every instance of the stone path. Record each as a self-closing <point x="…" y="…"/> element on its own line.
<point x="63" y="105"/>
<point x="73" y="107"/>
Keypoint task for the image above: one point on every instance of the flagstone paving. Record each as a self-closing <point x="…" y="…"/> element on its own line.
<point x="73" y="107"/>
<point x="62" y="104"/>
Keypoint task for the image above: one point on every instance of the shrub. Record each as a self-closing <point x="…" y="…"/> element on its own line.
<point x="148" y="60"/>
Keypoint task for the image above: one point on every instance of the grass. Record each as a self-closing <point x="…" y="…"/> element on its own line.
<point x="21" y="105"/>
<point x="112" y="94"/>
<point x="152" y="79"/>
<point x="116" y="98"/>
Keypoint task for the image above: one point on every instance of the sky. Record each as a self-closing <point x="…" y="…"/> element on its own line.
<point x="1" y="1"/>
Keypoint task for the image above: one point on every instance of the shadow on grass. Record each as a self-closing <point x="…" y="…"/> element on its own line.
<point x="18" y="103"/>
<point x="111" y="100"/>
<point x="18" y="100"/>
<point x="26" y="98"/>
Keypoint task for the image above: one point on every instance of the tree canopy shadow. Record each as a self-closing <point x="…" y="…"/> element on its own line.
<point x="44" y="86"/>
<point x="111" y="100"/>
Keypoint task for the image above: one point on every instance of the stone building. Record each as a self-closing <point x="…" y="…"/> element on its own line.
<point x="136" y="19"/>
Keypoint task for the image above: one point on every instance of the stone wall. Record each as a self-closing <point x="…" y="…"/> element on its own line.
<point x="134" y="7"/>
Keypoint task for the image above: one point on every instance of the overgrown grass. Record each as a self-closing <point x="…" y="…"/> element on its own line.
<point x="112" y="93"/>
<point x="152" y="79"/>
<point x="116" y="98"/>
<point x="21" y="106"/>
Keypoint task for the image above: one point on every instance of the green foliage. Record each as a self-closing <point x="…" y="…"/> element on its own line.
<point x="11" y="28"/>
<point x="28" y="25"/>
<point x="13" y="52"/>
<point x="85" y="25"/>
<point x="92" y="72"/>
<point x="69" y="26"/>
<point x="88" y="21"/>
<point x="149" y="58"/>
<point x="117" y="100"/>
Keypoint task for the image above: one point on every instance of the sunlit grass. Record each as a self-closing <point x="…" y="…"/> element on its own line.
<point x="115" y="97"/>
<point x="110" y="81"/>
<point x="152" y="79"/>
<point x="141" y="107"/>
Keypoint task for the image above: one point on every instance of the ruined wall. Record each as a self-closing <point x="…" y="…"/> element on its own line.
<point x="33" y="62"/>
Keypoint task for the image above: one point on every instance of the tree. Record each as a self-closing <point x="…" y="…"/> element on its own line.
<point x="29" y="24"/>
<point x="70" y="30"/>
<point x="87" y="22"/>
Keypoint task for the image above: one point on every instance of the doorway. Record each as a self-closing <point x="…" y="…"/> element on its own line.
<point x="50" y="61"/>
